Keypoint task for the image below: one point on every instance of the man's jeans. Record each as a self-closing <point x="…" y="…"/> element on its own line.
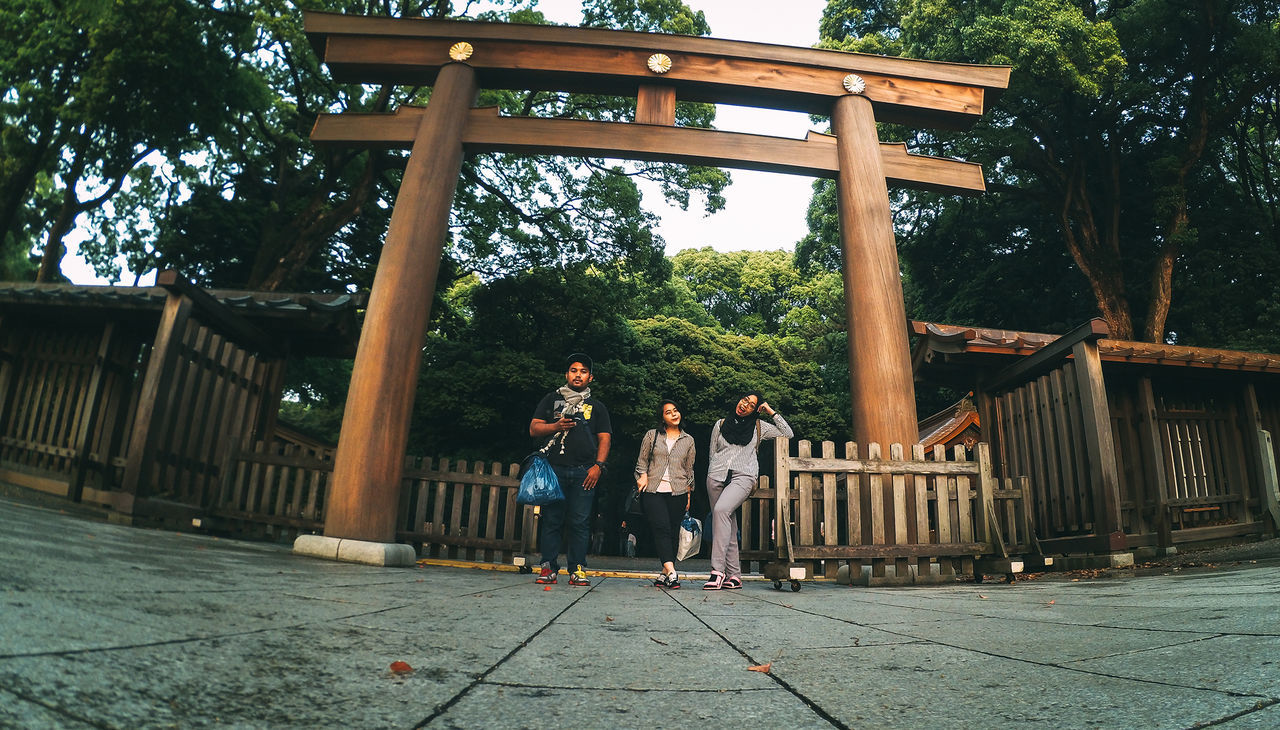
<point x="567" y="525"/>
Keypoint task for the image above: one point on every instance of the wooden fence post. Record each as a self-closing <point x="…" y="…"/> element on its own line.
<point x="153" y="400"/>
<point x="1103" y="475"/>
<point x="986" y="494"/>
<point x="93" y="396"/>
<point x="1265" y="458"/>
<point x="1153" y="448"/>
<point x="782" y="503"/>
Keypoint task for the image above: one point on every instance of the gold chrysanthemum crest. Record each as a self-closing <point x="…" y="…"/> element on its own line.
<point x="854" y="84"/>
<point x="460" y="51"/>
<point x="659" y="63"/>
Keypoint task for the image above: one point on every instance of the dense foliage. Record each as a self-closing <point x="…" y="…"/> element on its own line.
<point x="1130" y="163"/>
<point x="1132" y="170"/>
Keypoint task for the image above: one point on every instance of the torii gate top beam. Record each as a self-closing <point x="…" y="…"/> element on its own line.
<point x="412" y="51"/>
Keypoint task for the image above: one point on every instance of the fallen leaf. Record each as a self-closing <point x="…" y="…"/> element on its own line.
<point x="760" y="668"/>
<point x="982" y="596"/>
<point x="1050" y="603"/>
<point x="400" y="668"/>
<point x="608" y="618"/>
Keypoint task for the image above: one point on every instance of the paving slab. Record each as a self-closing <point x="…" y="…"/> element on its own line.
<point x="106" y="626"/>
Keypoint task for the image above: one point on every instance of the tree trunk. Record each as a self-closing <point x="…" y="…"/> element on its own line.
<point x="54" y="250"/>
<point x="1096" y="249"/>
<point x="312" y="230"/>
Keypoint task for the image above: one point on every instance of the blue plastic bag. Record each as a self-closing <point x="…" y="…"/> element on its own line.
<point x="538" y="482"/>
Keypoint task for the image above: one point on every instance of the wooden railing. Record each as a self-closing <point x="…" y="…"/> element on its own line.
<point x="930" y="514"/>
<point x="448" y="509"/>
<point x="272" y="488"/>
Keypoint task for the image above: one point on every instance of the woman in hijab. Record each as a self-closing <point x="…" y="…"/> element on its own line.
<point x="731" y="476"/>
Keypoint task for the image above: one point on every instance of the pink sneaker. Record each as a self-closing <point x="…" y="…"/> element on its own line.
<point x="716" y="582"/>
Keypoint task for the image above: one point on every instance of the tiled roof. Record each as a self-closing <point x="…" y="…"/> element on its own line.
<point x="312" y="323"/>
<point x="947" y="424"/>
<point x="946" y="339"/>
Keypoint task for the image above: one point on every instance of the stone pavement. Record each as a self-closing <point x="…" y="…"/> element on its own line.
<point x="104" y="626"/>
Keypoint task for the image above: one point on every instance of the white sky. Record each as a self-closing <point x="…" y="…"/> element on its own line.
<point x="762" y="210"/>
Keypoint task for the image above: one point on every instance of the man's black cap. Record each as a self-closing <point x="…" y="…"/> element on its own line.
<point x="581" y="357"/>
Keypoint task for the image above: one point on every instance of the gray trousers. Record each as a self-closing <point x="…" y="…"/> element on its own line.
<point x="726" y="497"/>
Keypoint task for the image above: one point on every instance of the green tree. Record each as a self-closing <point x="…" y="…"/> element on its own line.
<point x="1101" y="137"/>
<point x="272" y="211"/>
<point x="92" y="90"/>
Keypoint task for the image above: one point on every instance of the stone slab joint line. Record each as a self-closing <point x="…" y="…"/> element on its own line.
<point x="1022" y="619"/>
<point x="56" y="709"/>
<point x="817" y="709"/>
<point x="480" y="678"/>
<point x="1051" y="665"/>
<point x="196" y="639"/>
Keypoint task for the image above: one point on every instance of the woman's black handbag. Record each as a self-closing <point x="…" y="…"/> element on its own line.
<point x="631" y="504"/>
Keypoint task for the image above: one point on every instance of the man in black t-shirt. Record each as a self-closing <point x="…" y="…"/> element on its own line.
<point x="580" y="433"/>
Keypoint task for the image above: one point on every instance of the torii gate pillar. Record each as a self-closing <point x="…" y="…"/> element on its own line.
<point x="880" y="380"/>
<point x="375" y="424"/>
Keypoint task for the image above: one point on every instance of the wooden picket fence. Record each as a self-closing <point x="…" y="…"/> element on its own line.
<point x="274" y="488"/>
<point x="927" y="516"/>
<point x="448" y="509"/>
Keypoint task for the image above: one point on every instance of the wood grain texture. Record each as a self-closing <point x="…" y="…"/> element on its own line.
<point x="375" y="427"/>
<point x="883" y="393"/>
<point x="656" y="104"/>
<point x="487" y="131"/>
<point x="411" y="51"/>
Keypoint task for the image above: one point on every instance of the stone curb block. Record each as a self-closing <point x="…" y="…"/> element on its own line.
<point x="355" y="551"/>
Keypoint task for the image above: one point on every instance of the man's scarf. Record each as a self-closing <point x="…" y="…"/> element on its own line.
<point x="573" y="400"/>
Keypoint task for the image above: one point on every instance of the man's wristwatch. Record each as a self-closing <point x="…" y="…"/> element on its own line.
<point x="603" y="467"/>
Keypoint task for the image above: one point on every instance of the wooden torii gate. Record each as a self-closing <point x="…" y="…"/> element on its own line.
<point x="457" y="57"/>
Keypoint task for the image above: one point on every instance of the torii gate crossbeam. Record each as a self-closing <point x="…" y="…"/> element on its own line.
<point x="456" y="58"/>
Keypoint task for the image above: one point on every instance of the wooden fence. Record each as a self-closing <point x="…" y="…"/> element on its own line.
<point x="137" y="412"/>
<point x="272" y="489"/>
<point x="1041" y="433"/>
<point x="68" y="398"/>
<point x="1132" y="460"/>
<point x="928" y="515"/>
<point x="448" y="509"/>
<point x="203" y="395"/>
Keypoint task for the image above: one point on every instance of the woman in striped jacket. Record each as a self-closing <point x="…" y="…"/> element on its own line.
<point x="664" y="473"/>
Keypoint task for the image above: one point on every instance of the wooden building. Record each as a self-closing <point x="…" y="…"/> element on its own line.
<point x="1127" y="444"/>
<point x="132" y="398"/>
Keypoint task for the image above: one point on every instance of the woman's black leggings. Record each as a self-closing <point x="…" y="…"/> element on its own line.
<point x="664" y="512"/>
